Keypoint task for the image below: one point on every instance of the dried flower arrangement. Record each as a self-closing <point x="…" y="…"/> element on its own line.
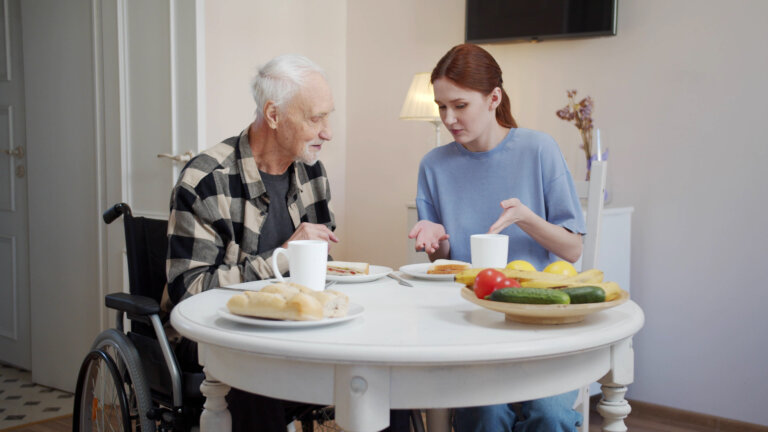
<point x="581" y="114"/>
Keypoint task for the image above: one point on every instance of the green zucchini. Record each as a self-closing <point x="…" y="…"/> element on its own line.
<point x="529" y="296"/>
<point x="585" y="294"/>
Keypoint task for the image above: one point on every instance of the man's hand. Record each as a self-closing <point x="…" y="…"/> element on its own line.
<point x="310" y="231"/>
<point x="428" y="235"/>
<point x="514" y="212"/>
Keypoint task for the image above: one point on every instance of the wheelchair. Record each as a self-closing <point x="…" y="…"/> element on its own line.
<point x="131" y="380"/>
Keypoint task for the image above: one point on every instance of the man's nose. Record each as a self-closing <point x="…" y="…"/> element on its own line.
<point x="325" y="133"/>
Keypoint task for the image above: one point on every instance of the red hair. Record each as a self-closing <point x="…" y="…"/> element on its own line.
<point x="472" y="67"/>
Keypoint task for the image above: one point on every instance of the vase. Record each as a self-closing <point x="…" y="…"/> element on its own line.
<point x="603" y="157"/>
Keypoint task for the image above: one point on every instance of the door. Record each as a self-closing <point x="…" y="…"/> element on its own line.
<point x="94" y="130"/>
<point x="14" y="256"/>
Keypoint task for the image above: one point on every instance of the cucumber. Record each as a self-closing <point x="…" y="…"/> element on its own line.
<point x="529" y="296"/>
<point x="585" y="294"/>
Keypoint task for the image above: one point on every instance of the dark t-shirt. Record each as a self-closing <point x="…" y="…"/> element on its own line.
<point x="278" y="226"/>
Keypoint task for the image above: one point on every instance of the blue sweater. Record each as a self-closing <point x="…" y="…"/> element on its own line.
<point x="462" y="190"/>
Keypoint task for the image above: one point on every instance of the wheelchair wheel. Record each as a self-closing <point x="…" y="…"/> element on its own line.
<point x="126" y="358"/>
<point x="100" y="400"/>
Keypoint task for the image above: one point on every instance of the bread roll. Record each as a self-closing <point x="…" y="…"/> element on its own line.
<point x="286" y="289"/>
<point x="289" y="301"/>
<point x="335" y="304"/>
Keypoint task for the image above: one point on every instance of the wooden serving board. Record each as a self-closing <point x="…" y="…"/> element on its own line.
<point x="543" y="314"/>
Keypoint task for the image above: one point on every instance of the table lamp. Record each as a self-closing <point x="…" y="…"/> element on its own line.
<point x="420" y="103"/>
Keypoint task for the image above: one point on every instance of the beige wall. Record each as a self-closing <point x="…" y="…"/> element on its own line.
<point x="388" y="43"/>
<point x="681" y="101"/>
<point x="242" y="35"/>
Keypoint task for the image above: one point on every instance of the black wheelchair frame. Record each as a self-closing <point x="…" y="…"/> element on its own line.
<point x="149" y="389"/>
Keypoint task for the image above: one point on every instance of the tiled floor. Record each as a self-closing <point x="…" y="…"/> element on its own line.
<point x="22" y="401"/>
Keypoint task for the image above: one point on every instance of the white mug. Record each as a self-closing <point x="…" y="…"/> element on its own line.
<point x="307" y="263"/>
<point x="489" y="250"/>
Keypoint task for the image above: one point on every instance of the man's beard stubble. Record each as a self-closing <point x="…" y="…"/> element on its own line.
<point x="308" y="157"/>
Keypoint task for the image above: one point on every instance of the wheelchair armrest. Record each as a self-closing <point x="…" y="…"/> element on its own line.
<point x="132" y="304"/>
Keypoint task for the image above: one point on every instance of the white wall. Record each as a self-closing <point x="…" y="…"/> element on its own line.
<point x="242" y="35"/>
<point x="680" y="98"/>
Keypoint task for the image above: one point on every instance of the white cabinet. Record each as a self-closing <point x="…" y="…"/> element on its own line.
<point x="613" y="258"/>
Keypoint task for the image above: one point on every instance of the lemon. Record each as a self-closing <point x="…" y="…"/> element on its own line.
<point x="561" y="267"/>
<point x="520" y="265"/>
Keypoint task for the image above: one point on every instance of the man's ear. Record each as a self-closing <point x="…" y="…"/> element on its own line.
<point x="271" y="114"/>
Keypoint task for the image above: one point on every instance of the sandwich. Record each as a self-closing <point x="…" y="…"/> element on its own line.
<point x="444" y="266"/>
<point x="292" y="302"/>
<point x="343" y="268"/>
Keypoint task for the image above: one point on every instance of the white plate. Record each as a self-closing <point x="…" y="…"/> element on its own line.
<point x="420" y="271"/>
<point x="355" y="311"/>
<point x="375" y="272"/>
<point x="253" y="285"/>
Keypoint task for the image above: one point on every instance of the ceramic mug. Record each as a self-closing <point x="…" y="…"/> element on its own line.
<point x="489" y="250"/>
<point x="307" y="262"/>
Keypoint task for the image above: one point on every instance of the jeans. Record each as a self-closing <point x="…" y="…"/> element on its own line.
<point x="551" y="414"/>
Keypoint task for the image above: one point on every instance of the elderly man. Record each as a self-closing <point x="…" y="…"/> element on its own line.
<point x="236" y="202"/>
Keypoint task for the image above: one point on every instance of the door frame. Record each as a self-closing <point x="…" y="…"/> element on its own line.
<point x="103" y="37"/>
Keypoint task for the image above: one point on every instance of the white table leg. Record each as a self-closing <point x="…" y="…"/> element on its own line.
<point x="439" y="420"/>
<point x="361" y="396"/>
<point x="215" y="416"/>
<point x="612" y="406"/>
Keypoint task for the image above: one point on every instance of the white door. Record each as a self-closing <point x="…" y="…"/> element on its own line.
<point x="107" y="87"/>
<point x="14" y="256"/>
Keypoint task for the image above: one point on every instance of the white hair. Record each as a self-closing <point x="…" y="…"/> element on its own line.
<point x="280" y="79"/>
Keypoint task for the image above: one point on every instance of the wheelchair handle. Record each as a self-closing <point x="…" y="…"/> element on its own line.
<point x="115" y="212"/>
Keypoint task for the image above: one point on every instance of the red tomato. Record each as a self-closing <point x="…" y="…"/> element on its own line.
<point x="507" y="283"/>
<point x="486" y="281"/>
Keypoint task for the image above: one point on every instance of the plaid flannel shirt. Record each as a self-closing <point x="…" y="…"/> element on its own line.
<point x="218" y="208"/>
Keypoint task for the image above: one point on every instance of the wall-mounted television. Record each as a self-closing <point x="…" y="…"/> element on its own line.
<point x="535" y="20"/>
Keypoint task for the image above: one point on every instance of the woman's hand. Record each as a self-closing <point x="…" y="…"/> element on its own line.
<point x="554" y="238"/>
<point x="428" y="236"/>
<point x="514" y="212"/>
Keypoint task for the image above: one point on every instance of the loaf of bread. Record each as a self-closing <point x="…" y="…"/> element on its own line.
<point x="289" y="301"/>
<point x="444" y="266"/>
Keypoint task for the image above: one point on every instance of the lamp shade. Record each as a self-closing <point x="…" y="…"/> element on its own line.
<point x="420" y="101"/>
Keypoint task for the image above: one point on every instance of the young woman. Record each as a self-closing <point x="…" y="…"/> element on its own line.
<point x="496" y="178"/>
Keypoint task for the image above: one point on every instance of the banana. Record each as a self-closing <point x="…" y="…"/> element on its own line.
<point x="524" y="275"/>
<point x="541" y="284"/>
<point x="590" y="276"/>
<point x="467" y="277"/>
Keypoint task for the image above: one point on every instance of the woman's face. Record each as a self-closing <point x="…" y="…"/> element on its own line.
<point x="468" y="114"/>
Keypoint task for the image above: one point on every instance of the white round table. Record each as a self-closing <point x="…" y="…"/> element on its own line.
<point x="412" y="347"/>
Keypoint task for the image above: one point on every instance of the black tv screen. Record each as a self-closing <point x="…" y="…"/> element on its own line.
<point x="534" y="20"/>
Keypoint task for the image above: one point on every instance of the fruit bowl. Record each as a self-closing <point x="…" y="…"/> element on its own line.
<point x="543" y="314"/>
